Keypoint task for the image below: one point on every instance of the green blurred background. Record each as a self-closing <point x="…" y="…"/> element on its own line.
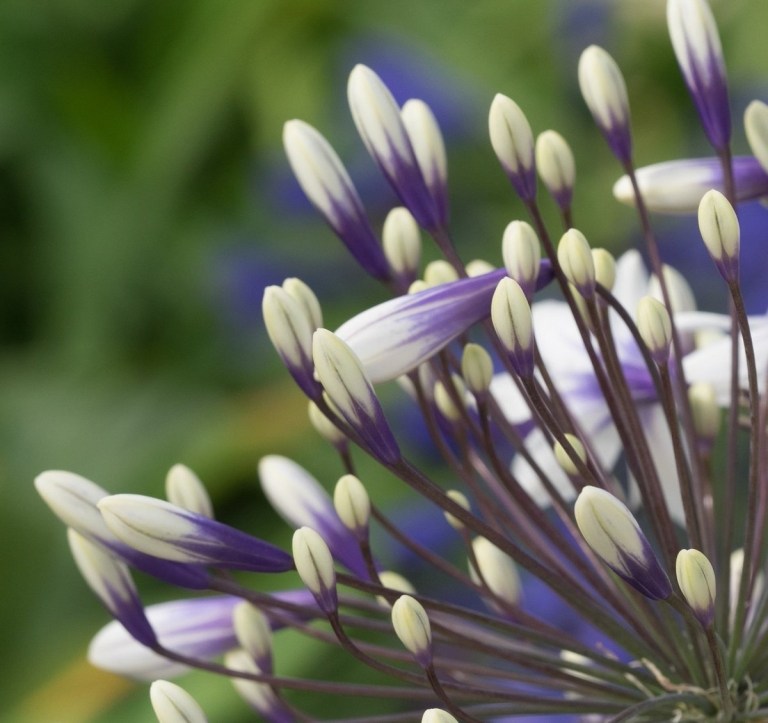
<point x="145" y="202"/>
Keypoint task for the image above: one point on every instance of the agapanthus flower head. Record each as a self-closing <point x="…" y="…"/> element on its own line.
<point x="604" y="448"/>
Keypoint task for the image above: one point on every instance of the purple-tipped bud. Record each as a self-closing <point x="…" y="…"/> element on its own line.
<point x="412" y="627"/>
<point x="327" y="185"/>
<point x="699" y="53"/>
<point x="696" y="579"/>
<point x="158" y="528"/>
<point x="314" y="564"/>
<point x="719" y="227"/>
<point x="380" y="125"/>
<point x="612" y="532"/>
<point x="512" y="141"/>
<point x="511" y="317"/>
<point x="173" y="704"/>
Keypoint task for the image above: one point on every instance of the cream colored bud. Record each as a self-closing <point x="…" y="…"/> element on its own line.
<point x="705" y="410"/>
<point x="476" y="368"/>
<point x="603" y="88"/>
<point x="478" y="267"/>
<point x="521" y="251"/>
<point x="605" y="268"/>
<point x="314" y="564"/>
<point x="655" y="327"/>
<point x="288" y="326"/>
<point x="324" y="426"/>
<point x="411" y="624"/>
<point x="497" y="570"/>
<point x="680" y="294"/>
<point x="172" y="704"/>
<point x="696" y="579"/>
<point x="511" y="317"/>
<point x="184" y="489"/>
<point x="719" y="227"/>
<point x="565" y="460"/>
<point x="511" y="135"/>
<point x="352" y="503"/>
<point x="395" y="582"/>
<point x="437" y="715"/>
<point x="575" y="258"/>
<point x="555" y="165"/>
<point x="427" y="142"/>
<point x="401" y="240"/>
<point x="445" y="399"/>
<point x="417" y="286"/>
<point x="756" y="126"/>
<point x="298" y="290"/>
<point x="439" y="272"/>
<point x="253" y="633"/>
<point x="460" y="499"/>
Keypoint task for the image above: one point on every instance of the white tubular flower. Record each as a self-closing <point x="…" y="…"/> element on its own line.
<point x="353" y="505"/>
<point x="497" y="571"/>
<point x="411" y="624"/>
<point x="605" y="93"/>
<point x="575" y="258"/>
<point x="184" y="489"/>
<point x="756" y="126"/>
<point x="511" y="317"/>
<point x="172" y="704"/>
<point x="512" y="141"/>
<point x="655" y="328"/>
<point x="254" y="634"/>
<point x="696" y="579"/>
<point x="719" y="229"/>
<point x="521" y="251"/>
<point x="73" y="499"/>
<point x="556" y="166"/>
<point x="314" y="564"/>
<point x="401" y="239"/>
<point x="612" y="532"/>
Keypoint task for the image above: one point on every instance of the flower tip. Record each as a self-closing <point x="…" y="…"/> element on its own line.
<point x="696" y="579"/>
<point x="172" y="704"/>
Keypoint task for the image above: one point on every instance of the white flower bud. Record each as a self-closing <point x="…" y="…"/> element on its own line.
<point x="184" y="488"/>
<point x="445" y="399"/>
<point x="460" y="499"/>
<point x="605" y="268"/>
<point x="655" y="328"/>
<point x="476" y="368"/>
<point x="521" y="251"/>
<point x="412" y="627"/>
<point x="705" y="410"/>
<point x="396" y="582"/>
<point x="478" y="267"/>
<point x="756" y="126"/>
<point x="172" y="704"/>
<point x="556" y="166"/>
<point x="352" y="503"/>
<point x="428" y="145"/>
<point x="298" y="290"/>
<point x="696" y="579"/>
<point x="259" y="696"/>
<point x="719" y="229"/>
<point x="401" y="240"/>
<point x="439" y="272"/>
<point x="511" y="317"/>
<point x="575" y="258"/>
<point x="253" y="633"/>
<point x="564" y="459"/>
<point x="512" y="141"/>
<point x="324" y="426"/>
<point x="680" y="294"/>
<point x="437" y="715"/>
<point x="314" y="564"/>
<point x="497" y="570"/>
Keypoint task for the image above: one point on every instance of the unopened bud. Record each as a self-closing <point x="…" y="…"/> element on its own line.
<point x="719" y="228"/>
<point x="512" y="141"/>
<point x="172" y="704"/>
<point x="401" y="239"/>
<point x="254" y="634"/>
<point x="324" y="426"/>
<point x="460" y="499"/>
<point x="521" y="251"/>
<point x="511" y="317"/>
<point x="565" y="460"/>
<point x="476" y="368"/>
<point x="696" y="579"/>
<point x="478" y="267"/>
<point x="497" y="571"/>
<point x="556" y="167"/>
<point x="412" y="628"/>
<point x="437" y="715"/>
<point x="756" y="126"/>
<point x="446" y="399"/>
<point x="352" y="503"/>
<point x="184" y="488"/>
<point x="655" y="328"/>
<point x="314" y="564"/>
<point x="705" y="411"/>
<point x="605" y="268"/>
<point x="575" y="259"/>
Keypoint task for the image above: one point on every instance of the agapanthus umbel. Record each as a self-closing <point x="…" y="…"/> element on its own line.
<point x="613" y="562"/>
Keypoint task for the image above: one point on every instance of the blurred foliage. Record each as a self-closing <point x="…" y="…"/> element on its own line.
<point x="145" y="202"/>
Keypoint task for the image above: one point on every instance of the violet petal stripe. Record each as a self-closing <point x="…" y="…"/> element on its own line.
<point x="645" y="575"/>
<point x="396" y="336"/>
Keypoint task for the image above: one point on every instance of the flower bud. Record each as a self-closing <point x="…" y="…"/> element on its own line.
<point x="497" y="571"/>
<point x="460" y="499"/>
<point x="575" y="259"/>
<point x="439" y="272"/>
<point x="705" y="411"/>
<point x="719" y="229"/>
<point x="172" y="704"/>
<point x="521" y="250"/>
<point x="605" y="93"/>
<point x="680" y="293"/>
<point x="476" y="369"/>
<point x="612" y="532"/>
<point x="184" y="489"/>
<point x="696" y="579"/>
<point x="556" y="167"/>
<point x="565" y="460"/>
<point x="478" y="267"/>
<point x="511" y="317"/>
<point x="655" y="328"/>
<point x="756" y="126"/>
<point x="512" y="141"/>
<point x="325" y="427"/>
<point x="298" y="290"/>
<point x="401" y="239"/>
<point x="605" y="268"/>
<point x="352" y="504"/>
<point x="254" y="634"/>
<point x="394" y="582"/>
<point x="260" y="696"/>
<point x="314" y="564"/>
<point x="437" y="715"/>
<point x="445" y="399"/>
<point x="412" y="628"/>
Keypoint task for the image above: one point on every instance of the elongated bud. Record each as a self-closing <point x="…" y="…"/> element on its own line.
<point x="112" y="583"/>
<point x="719" y="229"/>
<point x="327" y="185"/>
<point x="497" y="571"/>
<point x="696" y="579"/>
<point x="605" y="93"/>
<point x="158" y="528"/>
<point x="512" y="141"/>
<point x="394" y="582"/>
<point x="612" y="532"/>
<point x="314" y="564"/>
<point x="705" y="411"/>
<point x="756" y="126"/>
<point x="347" y="385"/>
<point x="254" y="634"/>
<point x="699" y="53"/>
<point x="521" y="250"/>
<point x="460" y="499"/>
<point x="427" y="142"/>
<point x="680" y="293"/>
<point x="172" y="704"/>
<point x="565" y="460"/>
<point x="446" y="399"/>
<point x="380" y="125"/>
<point x="412" y="628"/>
<point x="290" y="331"/>
<point x="297" y="289"/>
<point x="556" y="166"/>
<point x="439" y="272"/>
<point x="184" y="489"/>
<point x="353" y="505"/>
<point x="260" y="696"/>
<point x="678" y="186"/>
<point x="575" y="259"/>
<point x="325" y="427"/>
<point x="655" y="328"/>
<point x="511" y="317"/>
<point x="605" y="268"/>
<point x="478" y="267"/>
<point x="437" y="715"/>
<point x="477" y="369"/>
<point x="402" y="243"/>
